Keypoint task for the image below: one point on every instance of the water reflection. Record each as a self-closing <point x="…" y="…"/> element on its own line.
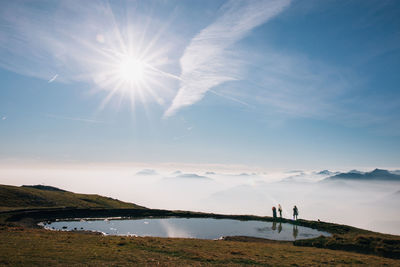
<point x="279" y="229"/>
<point x="172" y="230"/>
<point x="274" y="226"/>
<point x="295" y="231"/>
<point x="203" y="228"/>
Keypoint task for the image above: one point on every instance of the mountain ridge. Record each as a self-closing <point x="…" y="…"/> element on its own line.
<point x="376" y="174"/>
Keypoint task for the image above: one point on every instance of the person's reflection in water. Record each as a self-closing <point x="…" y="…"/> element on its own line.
<point x="280" y="227"/>
<point x="295" y="231"/>
<point x="274" y="226"/>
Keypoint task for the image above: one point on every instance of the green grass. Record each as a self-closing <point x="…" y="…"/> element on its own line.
<point x="13" y="197"/>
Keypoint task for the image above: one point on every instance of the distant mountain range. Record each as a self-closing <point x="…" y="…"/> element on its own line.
<point x="326" y="172"/>
<point x="377" y="174"/>
<point x="191" y="176"/>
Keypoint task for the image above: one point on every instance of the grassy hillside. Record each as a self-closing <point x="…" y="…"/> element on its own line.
<point x="14" y="197"/>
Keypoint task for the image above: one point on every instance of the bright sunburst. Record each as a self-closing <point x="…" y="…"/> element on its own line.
<point x="131" y="70"/>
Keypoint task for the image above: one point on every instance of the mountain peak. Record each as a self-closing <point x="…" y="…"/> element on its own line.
<point x="380" y="171"/>
<point x="377" y="174"/>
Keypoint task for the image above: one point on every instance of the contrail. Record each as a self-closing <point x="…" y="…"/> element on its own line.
<point x="231" y="98"/>
<point x="163" y="72"/>
<point x="53" y="79"/>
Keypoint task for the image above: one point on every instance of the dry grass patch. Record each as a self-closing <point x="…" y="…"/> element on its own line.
<point x="23" y="247"/>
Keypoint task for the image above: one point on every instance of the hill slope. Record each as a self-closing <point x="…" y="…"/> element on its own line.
<point x="14" y="197"/>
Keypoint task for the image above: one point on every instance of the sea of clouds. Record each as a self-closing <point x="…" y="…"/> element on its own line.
<point x="371" y="205"/>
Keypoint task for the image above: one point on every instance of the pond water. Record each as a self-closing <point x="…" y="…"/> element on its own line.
<point x="202" y="228"/>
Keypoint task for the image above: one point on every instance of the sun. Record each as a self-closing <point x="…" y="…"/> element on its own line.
<point x="131" y="70"/>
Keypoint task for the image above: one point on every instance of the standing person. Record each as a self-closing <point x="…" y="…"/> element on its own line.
<point x="280" y="210"/>
<point x="295" y="212"/>
<point x="274" y="212"/>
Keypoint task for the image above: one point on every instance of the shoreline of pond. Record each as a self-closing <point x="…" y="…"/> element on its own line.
<point x="187" y="227"/>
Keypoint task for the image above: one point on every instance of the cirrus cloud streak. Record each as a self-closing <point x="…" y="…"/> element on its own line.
<point x="207" y="61"/>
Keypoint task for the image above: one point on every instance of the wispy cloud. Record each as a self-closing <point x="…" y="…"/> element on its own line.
<point x="207" y="62"/>
<point x="53" y="79"/>
<point x="73" y="118"/>
<point x="294" y="85"/>
<point x="4" y="118"/>
<point x="71" y="42"/>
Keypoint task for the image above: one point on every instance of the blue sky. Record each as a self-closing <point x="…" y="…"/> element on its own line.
<point x="272" y="84"/>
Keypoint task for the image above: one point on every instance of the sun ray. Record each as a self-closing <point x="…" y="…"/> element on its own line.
<point x="117" y="29"/>
<point x="110" y="95"/>
<point x="128" y="63"/>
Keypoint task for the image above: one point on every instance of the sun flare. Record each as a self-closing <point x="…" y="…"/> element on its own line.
<point x="132" y="67"/>
<point x="131" y="70"/>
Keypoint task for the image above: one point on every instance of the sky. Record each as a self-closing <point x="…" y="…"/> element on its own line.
<point x="257" y="84"/>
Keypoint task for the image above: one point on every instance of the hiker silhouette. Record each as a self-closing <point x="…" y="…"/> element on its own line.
<point x="295" y="212"/>
<point x="280" y="210"/>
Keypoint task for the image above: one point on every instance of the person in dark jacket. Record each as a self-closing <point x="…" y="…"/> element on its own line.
<point x="295" y="212"/>
<point x="274" y="212"/>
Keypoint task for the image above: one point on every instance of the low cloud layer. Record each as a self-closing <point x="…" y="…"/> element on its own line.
<point x="147" y="172"/>
<point x="191" y="176"/>
<point x="366" y="204"/>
